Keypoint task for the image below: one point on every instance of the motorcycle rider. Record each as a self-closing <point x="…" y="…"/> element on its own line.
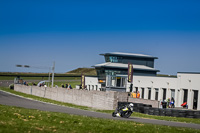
<point x="123" y="110"/>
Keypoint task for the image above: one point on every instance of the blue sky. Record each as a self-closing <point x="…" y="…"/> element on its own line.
<point x="74" y="33"/>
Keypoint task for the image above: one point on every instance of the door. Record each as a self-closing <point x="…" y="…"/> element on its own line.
<point x="185" y="95"/>
<point x="156" y="94"/>
<point x="164" y="94"/>
<point x="118" y="82"/>
<point x="195" y="99"/>
<point x="142" y="93"/>
<point x="149" y="95"/>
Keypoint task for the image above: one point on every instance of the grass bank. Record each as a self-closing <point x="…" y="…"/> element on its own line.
<point x="135" y="114"/>
<point x="15" y="119"/>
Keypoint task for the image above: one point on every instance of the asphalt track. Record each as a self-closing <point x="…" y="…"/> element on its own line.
<point x="13" y="100"/>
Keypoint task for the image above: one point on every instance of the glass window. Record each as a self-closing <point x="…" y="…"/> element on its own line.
<point x="143" y="93"/>
<point x="107" y="59"/>
<point x="164" y="94"/>
<point x="149" y="95"/>
<point x="156" y="93"/>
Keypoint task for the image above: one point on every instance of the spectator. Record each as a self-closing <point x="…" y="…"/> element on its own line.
<point x="62" y="85"/>
<point x="184" y="105"/>
<point x="66" y="85"/>
<point x="168" y="103"/>
<point x="33" y="83"/>
<point x="134" y="94"/>
<point x="164" y="104"/>
<point x="138" y="94"/>
<point x="172" y="102"/>
<point x="69" y="86"/>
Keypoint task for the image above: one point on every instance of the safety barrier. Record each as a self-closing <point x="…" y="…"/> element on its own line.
<point x="147" y="109"/>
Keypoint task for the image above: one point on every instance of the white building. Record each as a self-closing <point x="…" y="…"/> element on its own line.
<point x="112" y="75"/>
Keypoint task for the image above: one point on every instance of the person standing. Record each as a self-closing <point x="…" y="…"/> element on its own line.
<point x="138" y="94"/>
<point x="66" y="85"/>
<point x="172" y="102"/>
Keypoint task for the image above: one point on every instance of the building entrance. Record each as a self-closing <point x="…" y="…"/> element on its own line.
<point x="195" y="100"/>
<point x="185" y="95"/>
<point x="164" y="94"/>
<point x="142" y="93"/>
<point x="156" y="93"/>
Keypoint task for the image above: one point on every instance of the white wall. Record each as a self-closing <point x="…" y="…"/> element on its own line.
<point x="92" y="81"/>
<point x="187" y="81"/>
<point x="190" y="82"/>
<point x="154" y="82"/>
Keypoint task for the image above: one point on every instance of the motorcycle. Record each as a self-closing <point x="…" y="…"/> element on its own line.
<point x="123" y="111"/>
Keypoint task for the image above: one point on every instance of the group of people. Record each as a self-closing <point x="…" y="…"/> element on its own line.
<point x="68" y="86"/>
<point x="25" y="83"/>
<point x="135" y="95"/>
<point x="169" y="103"/>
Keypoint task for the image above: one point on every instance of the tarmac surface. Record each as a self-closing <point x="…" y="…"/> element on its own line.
<point x="18" y="101"/>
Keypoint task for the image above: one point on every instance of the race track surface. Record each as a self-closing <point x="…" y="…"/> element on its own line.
<point x="13" y="100"/>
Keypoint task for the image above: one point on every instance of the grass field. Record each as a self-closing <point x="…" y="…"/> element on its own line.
<point x="15" y="119"/>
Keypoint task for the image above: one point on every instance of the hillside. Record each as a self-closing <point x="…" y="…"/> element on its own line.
<point x="86" y="71"/>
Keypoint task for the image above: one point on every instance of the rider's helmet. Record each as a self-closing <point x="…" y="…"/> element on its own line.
<point x="131" y="105"/>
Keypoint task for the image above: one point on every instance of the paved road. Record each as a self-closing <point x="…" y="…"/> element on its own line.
<point x="12" y="100"/>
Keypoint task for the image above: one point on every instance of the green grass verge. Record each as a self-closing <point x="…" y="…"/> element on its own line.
<point x="135" y="114"/>
<point x="167" y="118"/>
<point x="15" y="119"/>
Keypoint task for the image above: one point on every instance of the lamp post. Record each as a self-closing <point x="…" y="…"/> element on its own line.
<point x="53" y="68"/>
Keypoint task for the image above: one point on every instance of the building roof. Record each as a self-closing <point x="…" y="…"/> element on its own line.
<point x="125" y="66"/>
<point x="130" y="55"/>
<point x="189" y="72"/>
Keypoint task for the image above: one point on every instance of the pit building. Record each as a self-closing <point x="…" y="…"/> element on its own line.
<point x="112" y="76"/>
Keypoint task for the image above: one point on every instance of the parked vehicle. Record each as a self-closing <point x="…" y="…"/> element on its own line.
<point x="123" y="111"/>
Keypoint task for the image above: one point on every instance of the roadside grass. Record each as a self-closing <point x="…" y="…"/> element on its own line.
<point x="15" y="119"/>
<point x="135" y="114"/>
<point x="167" y="118"/>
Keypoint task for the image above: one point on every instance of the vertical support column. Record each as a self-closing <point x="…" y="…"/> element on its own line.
<point x="146" y="93"/>
<point x="198" y="102"/>
<point x="53" y="69"/>
<point x="181" y="94"/>
<point x="168" y="95"/>
<point x="189" y="99"/>
<point x="160" y="94"/>
<point x="177" y="97"/>
<point x="134" y="89"/>
<point x="140" y="90"/>
<point x="152" y="93"/>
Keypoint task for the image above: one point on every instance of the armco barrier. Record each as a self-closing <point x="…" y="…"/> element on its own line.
<point x="147" y="109"/>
